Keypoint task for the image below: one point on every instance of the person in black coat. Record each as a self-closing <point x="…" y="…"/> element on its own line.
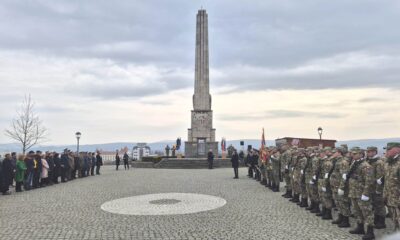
<point x="117" y="160"/>
<point x="64" y="166"/>
<point x="30" y="165"/>
<point x="57" y="167"/>
<point x="235" y="163"/>
<point x="8" y="171"/>
<point x="210" y="159"/>
<point x="4" y="187"/>
<point x="99" y="163"/>
<point x="126" y="161"/>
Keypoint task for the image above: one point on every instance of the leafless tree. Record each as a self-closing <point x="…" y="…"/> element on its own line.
<point x="27" y="128"/>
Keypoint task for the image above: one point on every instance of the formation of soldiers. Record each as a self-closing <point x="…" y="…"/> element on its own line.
<point x="356" y="182"/>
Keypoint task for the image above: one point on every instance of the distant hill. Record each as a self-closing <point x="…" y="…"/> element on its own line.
<point x="159" y="146"/>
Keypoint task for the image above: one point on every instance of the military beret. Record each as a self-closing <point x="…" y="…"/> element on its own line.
<point x="345" y="146"/>
<point x="372" y="149"/>
<point x="391" y="145"/>
<point x="31" y="152"/>
<point x="356" y="150"/>
<point x="327" y="149"/>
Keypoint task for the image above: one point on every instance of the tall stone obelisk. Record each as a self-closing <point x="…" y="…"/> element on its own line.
<point x="201" y="135"/>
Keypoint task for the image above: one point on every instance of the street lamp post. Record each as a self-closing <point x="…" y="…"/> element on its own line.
<point x="320" y="133"/>
<point x="78" y="136"/>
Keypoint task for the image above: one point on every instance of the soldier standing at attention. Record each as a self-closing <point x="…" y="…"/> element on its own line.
<point x="320" y="176"/>
<point x="327" y="199"/>
<point x="378" y="167"/>
<point x="315" y="169"/>
<point x="392" y="182"/>
<point x="361" y="185"/>
<point x="342" y="197"/>
<point x="294" y="172"/>
<point x="285" y="164"/>
<point x="302" y="162"/>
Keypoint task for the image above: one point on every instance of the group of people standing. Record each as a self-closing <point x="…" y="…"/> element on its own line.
<point x="355" y="182"/>
<point x="37" y="169"/>
<point x="125" y="158"/>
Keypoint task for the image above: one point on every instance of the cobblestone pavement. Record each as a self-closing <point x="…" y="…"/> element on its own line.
<point x="72" y="210"/>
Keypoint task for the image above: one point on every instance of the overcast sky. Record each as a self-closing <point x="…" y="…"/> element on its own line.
<point x="124" y="70"/>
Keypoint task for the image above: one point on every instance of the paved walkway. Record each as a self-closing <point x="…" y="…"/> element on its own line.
<point x="73" y="210"/>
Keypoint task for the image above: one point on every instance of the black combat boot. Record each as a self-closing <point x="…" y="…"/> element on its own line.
<point x="338" y="220"/>
<point x="358" y="230"/>
<point x="286" y="194"/>
<point x="296" y="198"/>
<point x="345" y="222"/>
<point x="316" y="208"/>
<point x="328" y="214"/>
<point x="289" y="194"/>
<point x="304" y="202"/>
<point x="321" y="213"/>
<point x="311" y="207"/>
<point x="380" y="222"/>
<point x="370" y="234"/>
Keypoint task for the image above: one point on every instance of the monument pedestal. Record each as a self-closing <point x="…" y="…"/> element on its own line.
<point x="200" y="150"/>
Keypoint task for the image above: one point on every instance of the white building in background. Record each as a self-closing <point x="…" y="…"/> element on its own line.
<point x="140" y="150"/>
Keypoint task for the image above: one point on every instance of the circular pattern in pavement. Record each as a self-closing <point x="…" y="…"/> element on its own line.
<point x="164" y="204"/>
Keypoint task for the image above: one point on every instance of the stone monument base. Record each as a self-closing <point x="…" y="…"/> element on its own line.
<point x="196" y="150"/>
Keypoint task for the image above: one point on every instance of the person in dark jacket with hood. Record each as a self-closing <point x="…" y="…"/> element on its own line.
<point x="235" y="164"/>
<point x="3" y="184"/>
<point x="8" y="170"/>
<point x="30" y="165"/>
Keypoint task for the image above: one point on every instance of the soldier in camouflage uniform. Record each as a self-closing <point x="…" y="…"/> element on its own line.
<point x="313" y="184"/>
<point x="308" y="172"/>
<point x="378" y="166"/>
<point x="324" y="184"/>
<point x="294" y="175"/>
<point x="276" y="169"/>
<point x="302" y="162"/>
<point x="336" y="181"/>
<point x="286" y="157"/>
<point x="361" y="184"/>
<point x="342" y="197"/>
<point x="392" y="182"/>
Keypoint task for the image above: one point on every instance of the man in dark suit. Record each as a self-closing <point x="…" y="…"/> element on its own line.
<point x="210" y="159"/>
<point x="235" y="163"/>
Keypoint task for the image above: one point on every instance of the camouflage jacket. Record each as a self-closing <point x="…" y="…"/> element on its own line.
<point x="309" y="171"/>
<point x="378" y="166"/>
<point x="335" y="176"/>
<point x="344" y="166"/>
<point x="286" y="159"/>
<point x="316" y="166"/>
<point x="300" y="166"/>
<point x="275" y="162"/>
<point x="325" y="170"/>
<point x="361" y="180"/>
<point x="392" y="182"/>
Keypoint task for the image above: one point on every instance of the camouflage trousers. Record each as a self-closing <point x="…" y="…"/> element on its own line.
<point x="288" y="183"/>
<point x="269" y="175"/>
<point x="378" y="205"/>
<point x="263" y="173"/>
<point x="342" y="203"/>
<point x="325" y="197"/>
<point x="395" y="213"/>
<point x="275" y="177"/>
<point x="312" y="191"/>
<point x="363" y="211"/>
<point x="296" y="184"/>
<point x="303" y="188"/>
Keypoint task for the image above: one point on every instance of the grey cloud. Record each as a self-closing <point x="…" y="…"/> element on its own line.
<point x="262" y="45"/>
<point x="277" y="114"/>
<point x="371" y="100"/>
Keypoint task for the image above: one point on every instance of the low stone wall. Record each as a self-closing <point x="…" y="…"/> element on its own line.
<point x="184" y="163"/>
